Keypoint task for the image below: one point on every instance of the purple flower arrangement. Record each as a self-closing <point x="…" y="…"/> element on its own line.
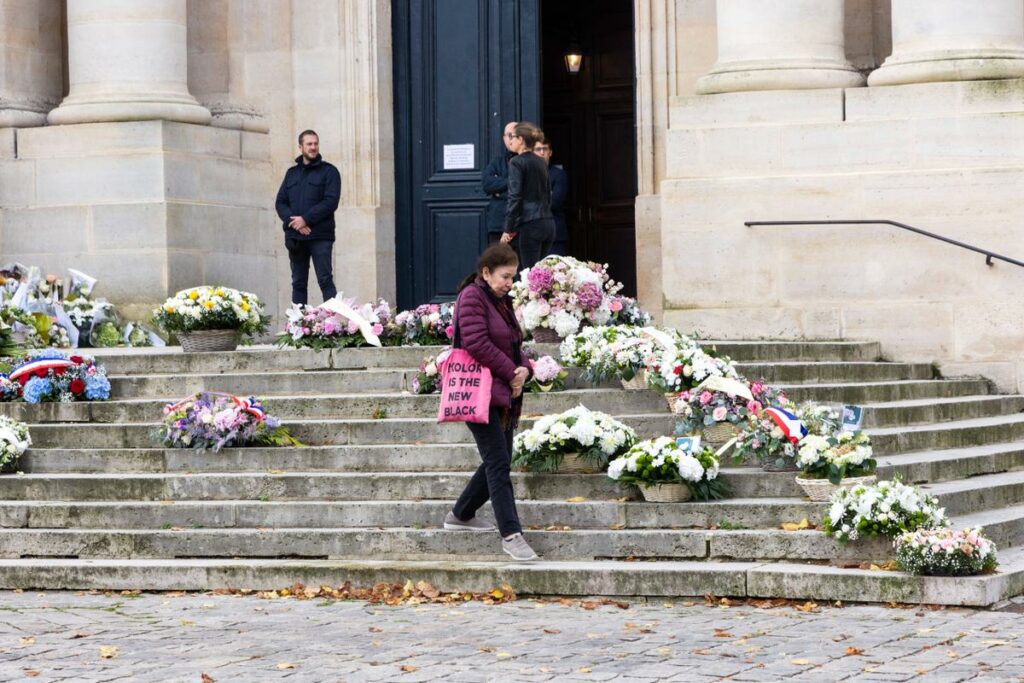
<point x="218" y="420"/>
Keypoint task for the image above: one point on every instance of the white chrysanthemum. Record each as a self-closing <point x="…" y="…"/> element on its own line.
<point x="690" y="468"/>
<point x="615" y="468"/>
<point x="565" y="323"/>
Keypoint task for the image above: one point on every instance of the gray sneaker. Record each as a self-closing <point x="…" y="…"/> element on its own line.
<point x="518" y="548"/>
<point x="453" y="523"/>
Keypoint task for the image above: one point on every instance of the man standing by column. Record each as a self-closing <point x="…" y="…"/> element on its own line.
<point x="495" y="185"/>
<point x="306" y="204"/>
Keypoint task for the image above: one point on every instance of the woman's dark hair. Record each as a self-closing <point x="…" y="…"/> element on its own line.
<point x="530" y="133"/>
<point x="494" y="257"/>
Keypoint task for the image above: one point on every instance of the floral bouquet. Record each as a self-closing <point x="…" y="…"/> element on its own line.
<point x="761" y="437"/>
<point x="560" y="294"/>
<point x="428" y="379"/>
<point x="888" y="508"/>
<point x="673" y="370"/>
<point x="212" y="308"/>
<point x="604" y="353"/>
<point x="51" y="376"/>
<point x="590" y="435"/>
<point x="835" y="457"/>
<point x="217" y="420"/>
<point x="425" y="325"/>
<point x="14" y="441"/>
<point x="313" y="327"/>
<point x="627" y="311"/>
<point x="706" y="407"/>
<point x="661" y="461"/>
<point x="945" y="552"/>
<point x="548" y="375"/>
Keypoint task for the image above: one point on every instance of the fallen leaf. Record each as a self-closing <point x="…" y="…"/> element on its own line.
<point x="552" y="631"/>
<point x="588" y="605"/>
<point x="722" y="633"/>
<point x="374" y="629"/>
<point x="576" y="499"/>
<point x="952" y="654"/>
<point x="800" y="662"/>
<point x="617" y="527"/>
<point x="409" y="668"/>
<point x="108" y="651"/>
<point x="207" y="678"/>
<point x="30" y="673"/>
<point x="584" y="670"/>
<point x="486" y="648"/>
<point x="79" y="635"/>
<point x="27" y="641"/>
<point x="285" y="665"/>
<point x="503" y="655"/>
<point x="796" y="526"/>
<point x="809" y="606"/>
<point x="853" y="652"/>
<point x="497" y="594"/>
<point x="427" y="590"/>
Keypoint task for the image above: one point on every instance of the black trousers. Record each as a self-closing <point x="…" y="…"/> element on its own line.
<point x="535" y="241"/>
<point x="299" y="254"/>
<point x="492" y="479"/>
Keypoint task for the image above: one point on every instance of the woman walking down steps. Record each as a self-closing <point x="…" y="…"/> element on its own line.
<point x="486" y="327"/>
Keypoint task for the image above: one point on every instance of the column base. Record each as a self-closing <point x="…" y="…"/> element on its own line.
<point x="940" y="68"/>
<point x="744" y="77"/>
<point x="237" y="116"/>
<point x="24" y="112"/>
<point x="118" y="110"/>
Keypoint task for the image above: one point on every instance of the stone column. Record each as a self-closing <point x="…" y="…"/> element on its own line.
<point x="779" y="45"/>
<point x="30" y="61"/>
<point x="216" y="62"/>
<point x="127" y="61"/>
<point x="953" y="40"/>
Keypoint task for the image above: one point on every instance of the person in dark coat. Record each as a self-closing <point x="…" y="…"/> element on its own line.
<point x="528" y="212"/>
<point x="306" y="203"/>
<point x="559" y="196"/>
<point x="486" y="327"/>
<point x="494" y="181"/>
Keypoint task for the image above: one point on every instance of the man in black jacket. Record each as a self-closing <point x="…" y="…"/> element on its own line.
<point x="306" y="204"/>
<point x="559" y="195"/>
<point x="495" y="185"/>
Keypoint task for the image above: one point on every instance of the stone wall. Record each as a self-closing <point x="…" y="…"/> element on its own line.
<point x="943" y="156"/>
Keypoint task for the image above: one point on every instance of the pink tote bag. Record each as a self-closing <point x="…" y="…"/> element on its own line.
<point x="465" y="389"/>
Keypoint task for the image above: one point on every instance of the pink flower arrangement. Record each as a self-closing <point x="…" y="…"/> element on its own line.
<point x="563" y="294"/>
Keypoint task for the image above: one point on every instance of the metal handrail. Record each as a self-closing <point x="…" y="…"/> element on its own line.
<point x="989" y="255"/>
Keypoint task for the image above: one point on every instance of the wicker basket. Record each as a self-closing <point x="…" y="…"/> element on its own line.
<point x="545" y="335"/>
<point x="209" y="340"/>
<point x="718" y="434"/>
<point x="671" y="398"/>
<point x="572" y="463"/>
<point x="666" y="493"/>
<point x="638" y="383"/>
<point x="820" y="490"/>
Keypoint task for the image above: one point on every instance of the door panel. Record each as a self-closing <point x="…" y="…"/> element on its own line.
<point x="461" y="69"/>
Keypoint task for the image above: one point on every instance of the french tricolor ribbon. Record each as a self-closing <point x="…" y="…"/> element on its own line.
<point x="790" y="424"/>
<point x="30" y="369"/>
<point x="249" y="405"/>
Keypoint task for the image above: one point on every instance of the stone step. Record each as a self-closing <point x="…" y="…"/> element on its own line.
<point x="927" y="411"/>
<point x="314" y="432"/>
<point x="263" y="357"/>
<point x="959" y="496"/>
<point x="358" y="406"/>
<point x="433" y="544"/>
<point x="390" y="380"/>
<point x="123" y="514"/>
<point x="953" y="434"/>
<point x="1005" y="526"/>
<point x="915" y="467"/>
<point x="365" y="406"/>
<point x="860" y="393"/>
<point x="666" y="579"/>
<point x="886" y="441"/>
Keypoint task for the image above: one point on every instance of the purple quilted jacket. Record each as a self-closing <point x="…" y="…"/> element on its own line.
<point x="493" y="339"/>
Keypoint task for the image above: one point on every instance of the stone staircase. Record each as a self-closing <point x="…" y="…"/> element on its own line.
<point x="100" y="507"/>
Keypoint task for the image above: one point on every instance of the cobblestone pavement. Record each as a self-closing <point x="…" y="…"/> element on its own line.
<point x="159" y="637"/>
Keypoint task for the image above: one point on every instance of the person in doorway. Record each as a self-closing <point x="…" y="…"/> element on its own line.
<point x="528" y="214"/>
<point x="486" y="327"/>
<point x="494" y="181"/>
<point x="306" y="204"/>
<point x="559" y="195"/>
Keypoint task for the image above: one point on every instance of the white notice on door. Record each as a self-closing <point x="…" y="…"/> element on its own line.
<point x="458" y="157"/>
